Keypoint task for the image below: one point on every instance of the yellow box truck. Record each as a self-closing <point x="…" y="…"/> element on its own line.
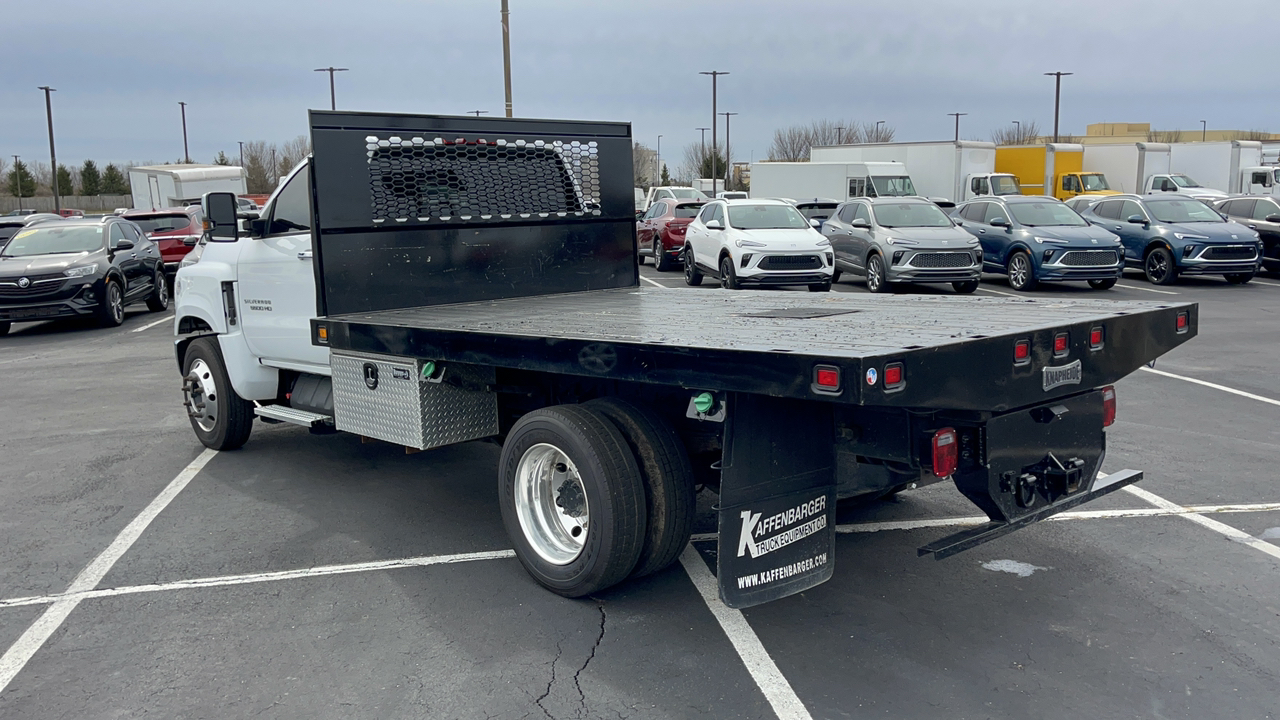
<point x="1054" y="169"/>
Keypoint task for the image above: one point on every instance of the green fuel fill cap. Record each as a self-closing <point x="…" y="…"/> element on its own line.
<point x="428" y="369"/>
<point x="703" y="402"/>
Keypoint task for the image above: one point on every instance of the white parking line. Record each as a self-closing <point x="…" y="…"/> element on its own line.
<point x="786" y="704"/>
<point x="1215" y="386"/>
<point x="150" y="325"/>
<point x="998" y="292"/>
<point x="17" y="656"/>
<point x="1072" y="515"/>
<point x="652" y="282"/>
<point x="1239" y="536"/>
<point x="1264" y="282"/>
<point x="1152" y="290"/>
<point x="251" y="578"/>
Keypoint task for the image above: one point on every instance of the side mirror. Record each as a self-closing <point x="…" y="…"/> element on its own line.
<point x="220" y="209"/>
<point x="715" y="225"/>
<point x="860" y="223"/>
<point x="815" y="223"/>
<point x="999" y="222"/>
<point x="122" y="245"/>
<point x="1273" y="218"/>
<point x="1137" y="220"/>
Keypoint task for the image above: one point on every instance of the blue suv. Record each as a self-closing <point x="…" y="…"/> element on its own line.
<point x="1172" y="235"/>
<point x="1036" y="239"/>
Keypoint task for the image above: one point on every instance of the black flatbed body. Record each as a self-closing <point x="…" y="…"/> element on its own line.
<point x="957" y="352"/>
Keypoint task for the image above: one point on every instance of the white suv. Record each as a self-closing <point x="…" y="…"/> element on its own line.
<point x="756" y="242"/>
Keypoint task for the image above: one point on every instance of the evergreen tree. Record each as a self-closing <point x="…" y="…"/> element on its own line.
<point x="90" y="179"/>
<point x="666" y="176"/>
<point x="66" y="183"/>
<point x="712" y="166"/>
<point x="222" y="159"/>
<point x="114" y="182"/>
<point x="21" y="182"/>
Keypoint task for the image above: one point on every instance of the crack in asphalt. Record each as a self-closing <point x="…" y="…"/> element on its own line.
<point x="538" y="700"/>
<point x="582" y="698"/>
<point x="582" y="712"/>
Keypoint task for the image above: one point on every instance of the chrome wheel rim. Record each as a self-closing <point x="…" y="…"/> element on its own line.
<point x="1018" y="271"/>
<point x="551" y="504"/>
<point x="1157" y="266"/>
<point x="115" y="303"/>
<point x="201" y="395"/>
<point x="873" y="273"/>
<point x="726" y="271"/>
<point x="688" y="265"/>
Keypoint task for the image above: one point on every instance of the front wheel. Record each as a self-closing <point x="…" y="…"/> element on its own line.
<point x="220" y="418"/>
<point x="1106" y="284"/>
<point x="159" y="299"/>
<point x="1239" y="278"/>
<point x="4" y="327"/>
<point x="875" y="275"/>
<point x="111" y="311"/>
<point x="572" y="500"/>
<point x="692" y="275"/>
<point x="835" y="275"/>
<point x="1022" y="276"/>
<point x="965" y="287"/>
<point x="728" y="280"/>
<point x="1160" y="268"/>
<point x="820" y="287"/>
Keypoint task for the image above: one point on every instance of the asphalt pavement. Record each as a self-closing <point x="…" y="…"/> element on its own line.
<point x="318" y="577"/>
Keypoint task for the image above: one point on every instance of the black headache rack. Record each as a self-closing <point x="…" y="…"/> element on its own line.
<point x="508" y="246"/>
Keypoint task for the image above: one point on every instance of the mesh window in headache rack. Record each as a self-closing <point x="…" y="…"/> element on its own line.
<point x="468" y="179"/>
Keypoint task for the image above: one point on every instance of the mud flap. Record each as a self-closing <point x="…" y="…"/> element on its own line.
<point x="777" y="499"/>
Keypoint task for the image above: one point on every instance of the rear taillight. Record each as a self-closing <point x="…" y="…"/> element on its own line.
<point x="1108" y="406"/>
<point x="946" y="452"/>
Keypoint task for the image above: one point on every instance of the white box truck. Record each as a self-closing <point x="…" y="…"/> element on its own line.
<point x="1144" y="168"/>
<point x="163" y="186"/>
<point x="1234" y="166"/>
<point x="836" y="180"/>
<point x="949" y="170"/>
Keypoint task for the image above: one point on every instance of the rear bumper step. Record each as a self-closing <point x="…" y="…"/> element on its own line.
<point x="966" y="539"/>
<point x="282" y="413"/>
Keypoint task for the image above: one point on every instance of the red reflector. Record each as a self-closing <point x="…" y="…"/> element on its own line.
<point x="828" y="378"/>
<point x="1022" y="351"/>
<point x="1059" y="344"/>
<point x="1095" y="338"/>
<point x="1108" y="406"/>
<point x="1182" y="321"/>
<point x="946" y="452"/>
<point x="893" y="375"/>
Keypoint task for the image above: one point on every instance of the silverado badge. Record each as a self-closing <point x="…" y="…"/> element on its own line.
<point x="1061" y="375"/>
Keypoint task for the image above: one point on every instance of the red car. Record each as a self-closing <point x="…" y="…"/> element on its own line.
<point x="660" y="232"/>
<point x="174" y="230"/>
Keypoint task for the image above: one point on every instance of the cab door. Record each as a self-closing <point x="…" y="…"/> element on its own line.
<point x="277" y="287"/>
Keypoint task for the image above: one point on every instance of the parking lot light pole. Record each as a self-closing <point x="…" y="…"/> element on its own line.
<point x="657" y="163"/>
<point x="957" y="116"/>
<point x="714" y="123"/>
<point x="878" y="124"/>
<point x="17" y="179"/>
<point x="728" y="163"/>
<point x="703" y="156"/>
<point x="53" y="155"/>
<point x="1204" y="130"/>
<point x="477" y="113"/>
<point x="1057" y="99"/>
<point x="839" y="134"/>
<point x="333" y="101"/>
<point x="186" y="154"/>
<point x="506" y="54"/>
<point x="241" y="143"/>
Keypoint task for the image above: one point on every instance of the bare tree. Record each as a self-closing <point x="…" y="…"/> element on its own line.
<point x="260" y="177"/>
<point x="880" y="132"/>
<point x="1252" y="135"/>
<point x="293" y="152"/>
<point x="642" y="159"/>
<point x="1165" y="136"/>
<point x="792" y="144"/>
<point x="4" y="171"/>
<point x="1023" y="133"/>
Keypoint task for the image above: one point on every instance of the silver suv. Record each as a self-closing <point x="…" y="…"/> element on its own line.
<point x="902" y="239"/>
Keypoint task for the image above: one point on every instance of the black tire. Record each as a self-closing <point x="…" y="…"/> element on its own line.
<point x="1160" y="267"/>
<point x="158" y="301"/>
<point x="661" y="260"/>
<point x="692" y="275"/>
<point x="612" y="487"/>
<point x="668" y="480"/>
<point x="1106" y="284"/>
<point x="1022" y="273"/>
<point x="1239" y="278"/>
<point x="820" y="287"/>
<point x="965" y="287"/>
<point x="111" y="310"/>
<point x="835" y="275"/>
<point x="4" y="327"/>
<point x="728" y="278"/>
<point x="229" y="427"/>
<point x="876" y="282"/>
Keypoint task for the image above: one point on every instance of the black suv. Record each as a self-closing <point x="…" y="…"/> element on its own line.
<point x="79" y="268"/>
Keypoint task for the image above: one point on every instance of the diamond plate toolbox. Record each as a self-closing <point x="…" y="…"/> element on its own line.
<point x="400" y="401"/>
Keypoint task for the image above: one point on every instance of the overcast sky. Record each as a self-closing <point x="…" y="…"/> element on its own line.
<point x="245" y="68"/>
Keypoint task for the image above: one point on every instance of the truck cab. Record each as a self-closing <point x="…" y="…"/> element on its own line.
<point x="1264" y="180"/>
<point x="1071" y="184"/>
<point x="991" y="184"/>
<point x="1182" y="184"/>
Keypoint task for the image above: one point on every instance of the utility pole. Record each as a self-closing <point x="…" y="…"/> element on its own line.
<point x="53" y="156"/>
<point x="714" y="124"/>
<point x="241" y="143"/>
<point x="275" y="171"/>
<point x="1057" y="99"/>
<point x="17" y="178"/>
<point x="506" y="54"/>
<point x="333" y="100"/>
<point x="1204" y="130"/>
<point x="728" y="160"/>
<point x="186" y="154"/>
<point x="878" y="124"/>
<point x="477" y="113"/>
<point x="957" y="116"/>
<point x="657" y="163"/>
<point x="703" y="157"/>
<point x="839" y="134"/>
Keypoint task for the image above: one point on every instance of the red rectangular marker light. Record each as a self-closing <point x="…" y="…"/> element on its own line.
<point x="1022" y="352"/>
<point x="828" y="378"/>
<point x="1095" y="339"/>
<point x="1060" y="344"/>
<point x="1183" y="321"/>
<point x="893" y="376"/>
